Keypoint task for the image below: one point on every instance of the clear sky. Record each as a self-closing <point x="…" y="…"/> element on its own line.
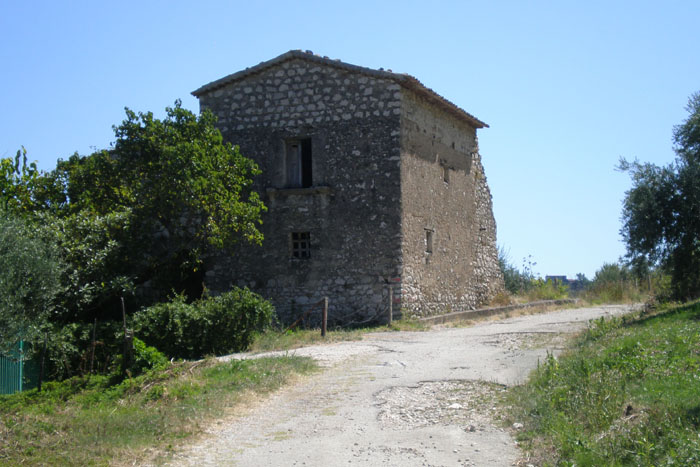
<point x="567" y="87"/>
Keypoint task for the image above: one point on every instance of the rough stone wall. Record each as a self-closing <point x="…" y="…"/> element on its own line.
<point x="446" y="203"/>
<point x="352" y="210"/>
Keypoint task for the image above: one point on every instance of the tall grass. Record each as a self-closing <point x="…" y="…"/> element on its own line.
<point x="627" y="394"/>
<point x="623" y="291"/>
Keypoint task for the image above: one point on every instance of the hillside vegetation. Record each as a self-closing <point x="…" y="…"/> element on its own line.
<point x="625" y="394"/>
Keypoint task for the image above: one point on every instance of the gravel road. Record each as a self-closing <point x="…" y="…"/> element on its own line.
<point x="395" y="399"/>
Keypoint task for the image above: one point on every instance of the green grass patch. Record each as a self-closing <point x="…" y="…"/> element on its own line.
<point x="89" y="422"/>
<point x="627" y="393"/>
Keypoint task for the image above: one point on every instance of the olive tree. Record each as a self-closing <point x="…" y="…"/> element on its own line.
<point x="661" y="212"/>
<point x="29" y="280"/>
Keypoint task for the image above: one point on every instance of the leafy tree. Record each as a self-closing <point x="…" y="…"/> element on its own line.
<point x="99" y="273"/>
<point x="142" y="217"/>
<point x="611" y="273"/>
<point x="582" y="279"/>
<point x="17" y="182"/>
<point x="29" y="281"/>
<point x="661" y="212"/>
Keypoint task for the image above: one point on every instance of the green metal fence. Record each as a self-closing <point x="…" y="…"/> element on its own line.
<point x="11" y="366"/>
<point x="16" y="373"/>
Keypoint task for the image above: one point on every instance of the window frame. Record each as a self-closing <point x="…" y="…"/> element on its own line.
<point x="298" y="162"/>
<point x="300" y="245"/>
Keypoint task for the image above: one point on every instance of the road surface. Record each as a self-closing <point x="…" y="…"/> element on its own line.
<point x="395" y="399"/>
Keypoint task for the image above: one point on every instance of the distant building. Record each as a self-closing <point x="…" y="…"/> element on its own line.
<point x="372" y="181"/>
<point x="557" y="279"/>
<point x="574" y="285"/>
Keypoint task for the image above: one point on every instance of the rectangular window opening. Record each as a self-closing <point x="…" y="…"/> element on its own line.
<point x="299" y="163"/>
<point x="300" y="245"/>
<point x="428" y="241"/>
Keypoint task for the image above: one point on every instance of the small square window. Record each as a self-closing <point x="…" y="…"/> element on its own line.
<point x="300" y="245"/>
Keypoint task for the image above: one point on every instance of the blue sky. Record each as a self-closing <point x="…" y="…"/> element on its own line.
<point x="567" y="87"/>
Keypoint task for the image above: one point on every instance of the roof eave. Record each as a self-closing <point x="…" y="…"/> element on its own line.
<point x="419" y="88"/>
<point x="289" y="56"/>
<point x="405" y="80"/>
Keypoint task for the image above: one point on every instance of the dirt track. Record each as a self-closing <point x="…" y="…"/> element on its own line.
<point x="395" y="398"/>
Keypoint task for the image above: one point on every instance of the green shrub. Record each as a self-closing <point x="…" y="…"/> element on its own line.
<point x="238" y="314"/>
<point x="613" y="283"/>
<point x="69" y="350"/>
<point x="147" y="358"/>
<point x="546" y="290"/>
<point x="212" y="326"/>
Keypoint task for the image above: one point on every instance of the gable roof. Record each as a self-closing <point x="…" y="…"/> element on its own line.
<point x="405" y="80"/>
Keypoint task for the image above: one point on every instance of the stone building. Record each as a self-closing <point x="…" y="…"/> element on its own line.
<point x="372" y="181"/>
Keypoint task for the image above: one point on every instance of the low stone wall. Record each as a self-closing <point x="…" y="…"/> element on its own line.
<point x="469" y="314"/>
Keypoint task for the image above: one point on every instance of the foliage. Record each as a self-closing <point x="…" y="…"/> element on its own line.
<point x="99" y="274"/>
<point x="211" y="326"/>
<point x="135" y="221"/>
<point x="625" y="395"/>
<point x="146" y="358"/>
<point x="539" y="289"/>
<point x="17" y="182"/>
<point x="176" y="175"/>
<point x="516" y="281"/>
<point x="69" y="349"/>
<point x="661" y="212"/>
<point x="29" y="280"/>
<point x="88" y="421"/>
<point x="139" y="220"/>
<point x="525" y="283"/>
<point x="583" y="281"/>
<point x="613" y="283"/>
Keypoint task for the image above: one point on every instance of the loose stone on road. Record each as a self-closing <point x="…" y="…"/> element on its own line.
<point x="396" y="398"/>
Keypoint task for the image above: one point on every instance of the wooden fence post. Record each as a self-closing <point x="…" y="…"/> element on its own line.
<point x="92" y="351"/>
<point x="128" y="345"/>
<point x="21" y="363"/>
<point x="391" y="304"/>
<point x="324" y="317"/>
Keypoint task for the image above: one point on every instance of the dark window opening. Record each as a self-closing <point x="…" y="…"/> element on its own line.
<point x="299" y="163"/>
<point x="301" y="245"/>
<point x="428" y="241"/>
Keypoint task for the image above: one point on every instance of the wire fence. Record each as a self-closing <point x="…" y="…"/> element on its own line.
<point x="382" y="314"/>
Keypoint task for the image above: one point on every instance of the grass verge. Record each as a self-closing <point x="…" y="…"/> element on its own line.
<point x="628" y="393"/>
<point x="88" y="422"/>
